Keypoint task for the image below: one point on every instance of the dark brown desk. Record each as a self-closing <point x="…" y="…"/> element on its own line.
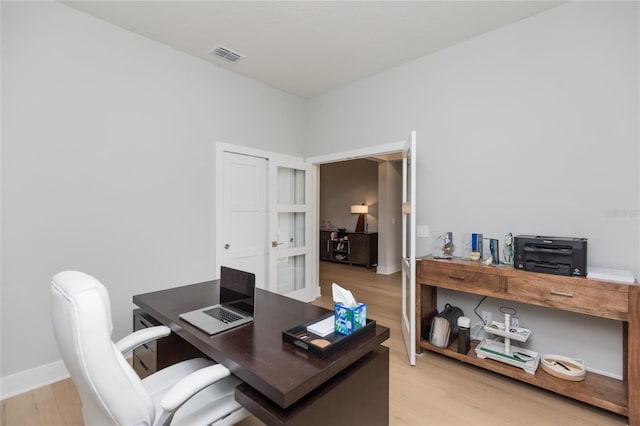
<point x="283" y="384"/>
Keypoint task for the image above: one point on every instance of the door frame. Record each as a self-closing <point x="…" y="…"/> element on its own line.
<point x="317" y="161"/>
<point x="219" y="149"/>
<point x="408" y="318"/>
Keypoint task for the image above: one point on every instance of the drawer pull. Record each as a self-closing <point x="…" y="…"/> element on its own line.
<point x="143" y="366"/>
<point x="561" y="293"/>
<point x="456" y="277"/>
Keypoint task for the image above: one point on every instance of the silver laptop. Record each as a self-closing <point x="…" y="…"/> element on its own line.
<point x="237" y="290"/>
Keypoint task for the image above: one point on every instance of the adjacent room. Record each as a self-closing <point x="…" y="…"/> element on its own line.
<point x="148" y="144"/>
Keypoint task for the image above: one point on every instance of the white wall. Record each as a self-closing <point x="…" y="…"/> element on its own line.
<point x="107" y="140"/>
<point x="532" y="128"/>
<point x="107" y="137"/>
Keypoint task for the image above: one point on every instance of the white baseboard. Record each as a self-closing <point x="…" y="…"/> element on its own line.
<point x="388" y="270"/>
<point x="24" y="381"/>
<point x="605" y="373"/>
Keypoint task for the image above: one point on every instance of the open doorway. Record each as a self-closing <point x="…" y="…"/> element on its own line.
<point x="407" y="257"/>
<point x="388" y="157"/>
<point x="372" y="185"/>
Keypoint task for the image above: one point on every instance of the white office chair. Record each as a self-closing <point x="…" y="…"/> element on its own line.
<point x="193" y="392"/>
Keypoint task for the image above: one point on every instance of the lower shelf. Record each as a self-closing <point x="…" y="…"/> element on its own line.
<point x="596" y="389"/>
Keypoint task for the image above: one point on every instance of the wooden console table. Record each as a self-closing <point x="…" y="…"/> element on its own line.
<point x="592" y="297"/>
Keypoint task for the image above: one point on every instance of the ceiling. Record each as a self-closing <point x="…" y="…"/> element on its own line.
<point x="307" y="48"/>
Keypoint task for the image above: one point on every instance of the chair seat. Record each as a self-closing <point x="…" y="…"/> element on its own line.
<point x="198" y="410"/>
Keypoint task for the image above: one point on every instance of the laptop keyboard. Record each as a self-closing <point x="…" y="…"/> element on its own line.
<point x="223" y="315"/>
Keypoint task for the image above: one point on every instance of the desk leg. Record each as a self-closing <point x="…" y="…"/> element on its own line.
<point x="633" y="355"/>
<point x="359" y="395"/>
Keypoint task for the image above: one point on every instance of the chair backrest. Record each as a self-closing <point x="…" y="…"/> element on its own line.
<point x="110" y="390"/>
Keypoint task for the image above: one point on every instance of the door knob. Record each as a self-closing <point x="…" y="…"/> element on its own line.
<point x="275" y="244"/>
<point x="226" y="246"/>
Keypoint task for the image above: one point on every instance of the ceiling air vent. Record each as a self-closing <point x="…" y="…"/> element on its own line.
<point x="227" y="54"/>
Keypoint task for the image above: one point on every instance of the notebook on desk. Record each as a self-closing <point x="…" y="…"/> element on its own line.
<point x="237" y="290"/>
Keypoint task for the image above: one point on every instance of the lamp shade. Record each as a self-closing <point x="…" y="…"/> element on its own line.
<point x="359" y="209"/>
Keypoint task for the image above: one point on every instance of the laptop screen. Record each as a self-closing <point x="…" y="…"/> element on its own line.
<point x="237" y="289"/>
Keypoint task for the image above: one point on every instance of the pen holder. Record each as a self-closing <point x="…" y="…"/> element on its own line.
<point x="347" y="319"/>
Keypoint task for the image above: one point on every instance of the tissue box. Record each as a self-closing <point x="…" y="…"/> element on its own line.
<point x="348" y="319"/>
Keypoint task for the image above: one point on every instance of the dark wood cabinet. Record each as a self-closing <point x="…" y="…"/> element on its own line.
<point x="354" y="248"/>
<point x="161" y="353"/>
<point x="324" y="249"/>
<point x="364" y="249"/>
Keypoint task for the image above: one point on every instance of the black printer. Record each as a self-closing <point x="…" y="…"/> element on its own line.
<point x="551" y="255"/>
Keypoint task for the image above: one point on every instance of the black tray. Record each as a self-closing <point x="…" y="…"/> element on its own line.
<point x="301" y="338"/>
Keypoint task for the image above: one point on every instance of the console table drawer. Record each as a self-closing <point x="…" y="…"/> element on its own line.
<point x="600" y="301"/>
<point x="461" y="279"/>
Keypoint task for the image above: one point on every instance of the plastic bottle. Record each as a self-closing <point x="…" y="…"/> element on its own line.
<point x="464" y="335"/>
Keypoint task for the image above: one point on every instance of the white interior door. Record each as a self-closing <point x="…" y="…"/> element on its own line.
<point x="244" y="214"/>
<point x="409" y="247"/>
<point x="290" y="228"/>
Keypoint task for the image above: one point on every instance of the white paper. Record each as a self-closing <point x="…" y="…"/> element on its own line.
<point x="322" y="328"/>
<point x="344" y="296"/>
<point x="607" y="274"/>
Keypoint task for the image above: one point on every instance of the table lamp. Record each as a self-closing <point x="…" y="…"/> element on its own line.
<point x="361" y="210"/>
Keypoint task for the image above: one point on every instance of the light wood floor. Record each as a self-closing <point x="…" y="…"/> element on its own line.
<point x="437" y="391"/>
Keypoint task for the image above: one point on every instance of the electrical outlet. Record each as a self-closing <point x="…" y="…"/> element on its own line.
<point x="515" y="322"/>
<point x="486" y="317"/>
